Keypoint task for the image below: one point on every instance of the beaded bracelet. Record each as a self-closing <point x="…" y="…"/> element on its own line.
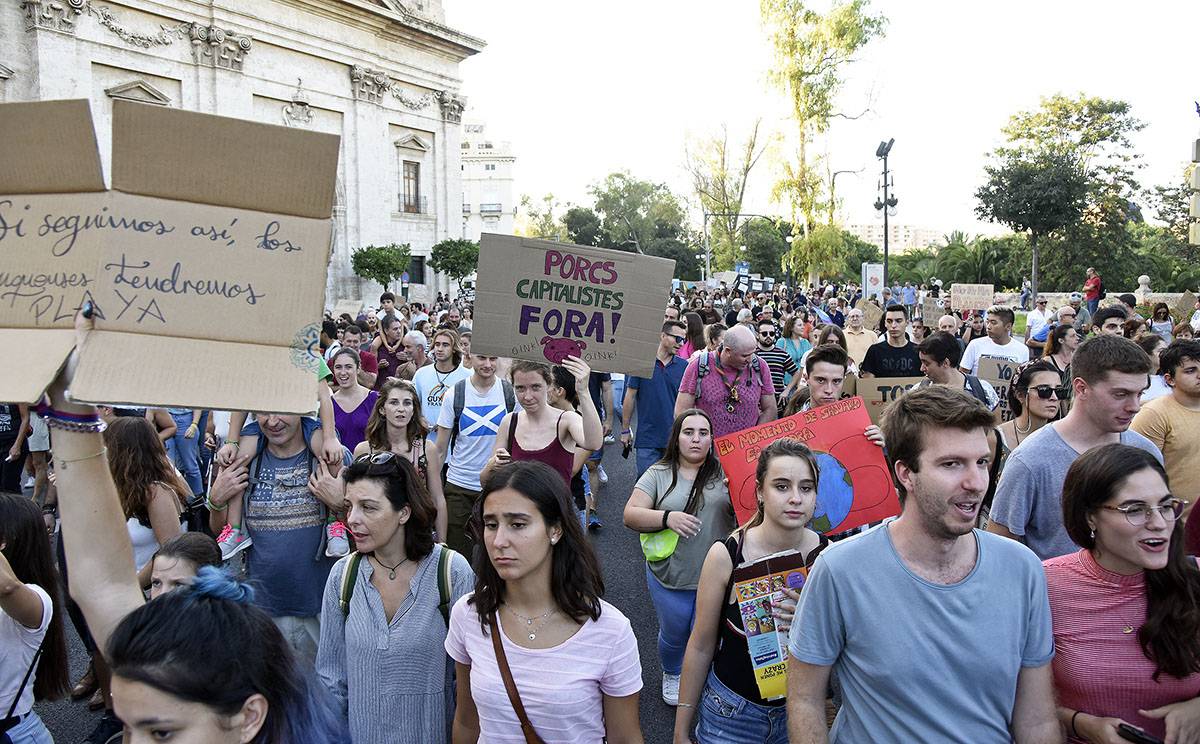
<point x="86" y="426"/>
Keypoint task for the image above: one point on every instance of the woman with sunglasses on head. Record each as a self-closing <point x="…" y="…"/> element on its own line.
<point x="1124" y="607"/>
<point x="681" y="507"/>
<point x="535" y="642"/>
<point x="718" y="682"/>
<point x="33" y="647"/>
<point x="383" y="626"/>
<point x="1034" y="395"/>
<point x="396" y="426"/>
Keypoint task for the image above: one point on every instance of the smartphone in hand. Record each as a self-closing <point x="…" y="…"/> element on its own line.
<point x="1135" y="734"/>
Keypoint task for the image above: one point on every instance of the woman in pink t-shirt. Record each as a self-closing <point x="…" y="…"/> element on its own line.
<point x="1126" y="628"/>
<point x="573" y="657"/>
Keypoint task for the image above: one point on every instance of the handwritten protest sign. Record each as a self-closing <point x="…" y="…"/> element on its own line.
<point x="871" y="315"/>
<point x="972" y="296"/>
<point x="931" y="310"/>
<point x="879" y="392"/>
<point x="545" y="301"/>
<point x="347" y="307"/>
<point x="998" y="373"/>
<point x="193" y="265"/>
<point x="854" y="487"/>
<point x="1185" y="305"/>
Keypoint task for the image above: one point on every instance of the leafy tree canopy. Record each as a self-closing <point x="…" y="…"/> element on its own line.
<point x="381" y="263"/>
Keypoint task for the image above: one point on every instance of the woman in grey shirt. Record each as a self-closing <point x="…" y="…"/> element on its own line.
<point x="381" y="652"/>
<point x="681" y="506"/>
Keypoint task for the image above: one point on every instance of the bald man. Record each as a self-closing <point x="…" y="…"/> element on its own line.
<point x="733" y="386"/>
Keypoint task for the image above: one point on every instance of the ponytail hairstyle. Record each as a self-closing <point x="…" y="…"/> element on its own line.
<point x="206" y="643"/>
<point x="710" y="469"/>
<point x="1170" y="637"/>
<point x="27" y="549"/>
<point x="776" y="449"/>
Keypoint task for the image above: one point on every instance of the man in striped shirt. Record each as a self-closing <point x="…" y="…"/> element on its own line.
<point x="778" y="360"/>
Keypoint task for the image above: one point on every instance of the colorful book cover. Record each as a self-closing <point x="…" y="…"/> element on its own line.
<point x="756" y="585"/>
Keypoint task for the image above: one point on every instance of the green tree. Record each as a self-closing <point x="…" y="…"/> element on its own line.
<point x="765" y="245"/>
<point x="811" y="53"/>
<point x="916" y="266"/>
<point x="634" y="212"/>
<point x="1035" y="193"/>
<point x="858" y="252"/>
<point x="457" y="258"/>
<point x="719" y="173"/>
<point x="1170" y="204"/>
<point x="381" y="263"/>
<point x="540" y="220"/>
<point x="681" y="252"/>
<point x="583" y="226"/>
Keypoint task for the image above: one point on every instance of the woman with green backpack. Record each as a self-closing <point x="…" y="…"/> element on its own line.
<point x="386" y="609"/>
<point x="681" y="506"/>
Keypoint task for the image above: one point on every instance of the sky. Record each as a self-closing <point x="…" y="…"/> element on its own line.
<point x="582" y="89"/>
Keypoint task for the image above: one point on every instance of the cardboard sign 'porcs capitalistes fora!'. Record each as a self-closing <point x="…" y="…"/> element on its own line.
<point x="544" y="301"/>
<point x="206" y="261"/>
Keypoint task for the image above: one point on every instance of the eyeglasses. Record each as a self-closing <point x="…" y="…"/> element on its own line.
<point x="1138" y="514"/>
<point x="1046" y="391"/>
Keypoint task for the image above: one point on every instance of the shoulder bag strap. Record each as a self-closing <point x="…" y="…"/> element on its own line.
<point x="349" y="577"/>
<point x="510" y="685"/>
<point x="33" y="665"/>
<point x="512" y="431"/>
<point x="443" y="568"/>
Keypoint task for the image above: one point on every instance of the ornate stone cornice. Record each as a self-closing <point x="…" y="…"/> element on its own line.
<point x="452" y="106"/>
<point x="367" y="84"/>
<point x="213" y="46"/>
<point x="55" y="15"/>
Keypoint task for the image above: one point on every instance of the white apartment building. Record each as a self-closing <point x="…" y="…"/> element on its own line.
<point x="488" y="202"/>
<point x="901" y="237"/>
<point x="382" y="74"/>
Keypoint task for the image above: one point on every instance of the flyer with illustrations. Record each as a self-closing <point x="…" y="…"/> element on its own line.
<point x="756" y="585"/>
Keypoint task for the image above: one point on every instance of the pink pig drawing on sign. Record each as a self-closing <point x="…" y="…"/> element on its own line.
<point x="558" y="349"/>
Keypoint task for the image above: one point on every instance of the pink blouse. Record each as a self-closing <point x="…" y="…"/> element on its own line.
<point x="1099" y="666"/>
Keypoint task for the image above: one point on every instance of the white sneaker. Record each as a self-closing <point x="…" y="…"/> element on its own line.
<point x="603" y="475"/>
<point x="610" y="439"/>
<point x="670" y="689"/>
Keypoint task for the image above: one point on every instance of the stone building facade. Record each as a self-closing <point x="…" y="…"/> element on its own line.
<point x="382" y="74"/>
<point x="487" y="183"/>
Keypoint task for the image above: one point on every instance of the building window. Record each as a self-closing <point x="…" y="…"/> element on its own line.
<point x="490" y="166"/>
<point x="416" y="270"/>
<point x="412" y="187"/>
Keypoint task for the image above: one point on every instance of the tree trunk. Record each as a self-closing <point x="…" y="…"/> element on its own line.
<point x="1033" y="278"/>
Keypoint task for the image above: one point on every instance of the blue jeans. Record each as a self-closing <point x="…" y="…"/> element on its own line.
<point x="1093" y="306"/>
<point x="618" y="383"/>
<point x="647" y="456"/>
<point x="728" y="718"/>
<point x="30" y="731"/>
<point x="186" y="452"/>
<point x="676" y="609"/>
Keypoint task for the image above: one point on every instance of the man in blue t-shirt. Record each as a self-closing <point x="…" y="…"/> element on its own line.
<point x="287" y="495"/>
<point x="656" y="397"/>
<point x="938" y="631"/>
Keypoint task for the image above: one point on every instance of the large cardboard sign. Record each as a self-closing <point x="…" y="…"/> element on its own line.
<point x="931" y="310"/>
<point x="854" y="487"/>
<point x="972" y="296"/>
<point x="206" y="260"/>
<point x="872" y="314"/>
<point x="998" y="372"/>
<point x="544" y="301"/>
<point x="879" y="392"/>
<point x="1185" y="305"/>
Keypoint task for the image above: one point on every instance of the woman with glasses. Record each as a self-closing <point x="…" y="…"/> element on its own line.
<point x="1126" y="627"/>
<point x="396" y="426"/>
<point x="680" y="506"/>
<point x="1034" y="394"/>
<point x="382" y="628"/>
<point x="534" y="643"/>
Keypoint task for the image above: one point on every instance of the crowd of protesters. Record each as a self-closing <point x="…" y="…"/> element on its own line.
<point x="411" y="562"/>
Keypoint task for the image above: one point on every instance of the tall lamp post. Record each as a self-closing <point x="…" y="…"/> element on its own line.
<point x="888" y="203"/>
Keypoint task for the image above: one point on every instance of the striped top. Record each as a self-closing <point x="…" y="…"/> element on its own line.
<point x="1099" y="667"/>
<point x="392" y="681"/>
<point x="562" y="688"/>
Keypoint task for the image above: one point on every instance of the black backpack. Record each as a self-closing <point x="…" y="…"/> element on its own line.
<point x="460" y="398"/>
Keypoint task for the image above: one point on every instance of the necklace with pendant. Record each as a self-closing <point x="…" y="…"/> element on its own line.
<point x="391" y="569"/>
<point x="544" y="617"/>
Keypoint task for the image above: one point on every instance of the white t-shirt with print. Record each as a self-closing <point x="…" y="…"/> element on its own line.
<point x="1014" y="351"/>
<point x="481" y="417"/>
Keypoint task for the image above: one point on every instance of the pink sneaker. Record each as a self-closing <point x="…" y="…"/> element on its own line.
<point x="233" y="541"/>
<point x="336" y="543"/>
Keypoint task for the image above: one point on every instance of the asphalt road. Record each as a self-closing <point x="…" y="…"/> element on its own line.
<point x="625" y="587"/>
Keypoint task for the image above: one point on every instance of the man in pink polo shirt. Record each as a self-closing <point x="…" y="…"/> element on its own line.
<point x="732" y="386"/>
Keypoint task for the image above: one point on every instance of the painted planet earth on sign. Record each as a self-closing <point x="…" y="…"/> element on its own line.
<point x="835" y="493"/>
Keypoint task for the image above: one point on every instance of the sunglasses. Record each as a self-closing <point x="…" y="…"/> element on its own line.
<point x="768" y="333"/>
<point x="678" y="339"/>
<point x="1045" y="392"/>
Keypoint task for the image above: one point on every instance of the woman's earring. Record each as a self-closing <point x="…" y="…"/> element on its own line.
<point x="1092" y="535"/>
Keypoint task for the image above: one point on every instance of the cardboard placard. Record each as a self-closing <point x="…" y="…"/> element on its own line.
<point x="879" y="392"/>
<point x="543" y="301"/>
<point x="931" y="310"/>
<point x="972" y="296"/>
<point x="998" y="372"/>
<point x="347" y="307"/>
<point x="854" y="487"/>
<point x="1185" y="306"/>
<point x="208" y="276"/>
<point x="872" y="314"/>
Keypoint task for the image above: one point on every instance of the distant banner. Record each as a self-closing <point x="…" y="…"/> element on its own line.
<point x="972" y="296"/>
<point x="855" y="487"/>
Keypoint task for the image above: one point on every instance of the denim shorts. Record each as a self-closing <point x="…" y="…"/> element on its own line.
<point x="728" y="718"/>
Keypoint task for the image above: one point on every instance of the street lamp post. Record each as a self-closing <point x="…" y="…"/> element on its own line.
<point x="889" y="201"/>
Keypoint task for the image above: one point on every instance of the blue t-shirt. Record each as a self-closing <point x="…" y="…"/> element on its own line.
<point x="656" y="402"/>
<point x="286" y="561"/>
<point x="920" y="661"/>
